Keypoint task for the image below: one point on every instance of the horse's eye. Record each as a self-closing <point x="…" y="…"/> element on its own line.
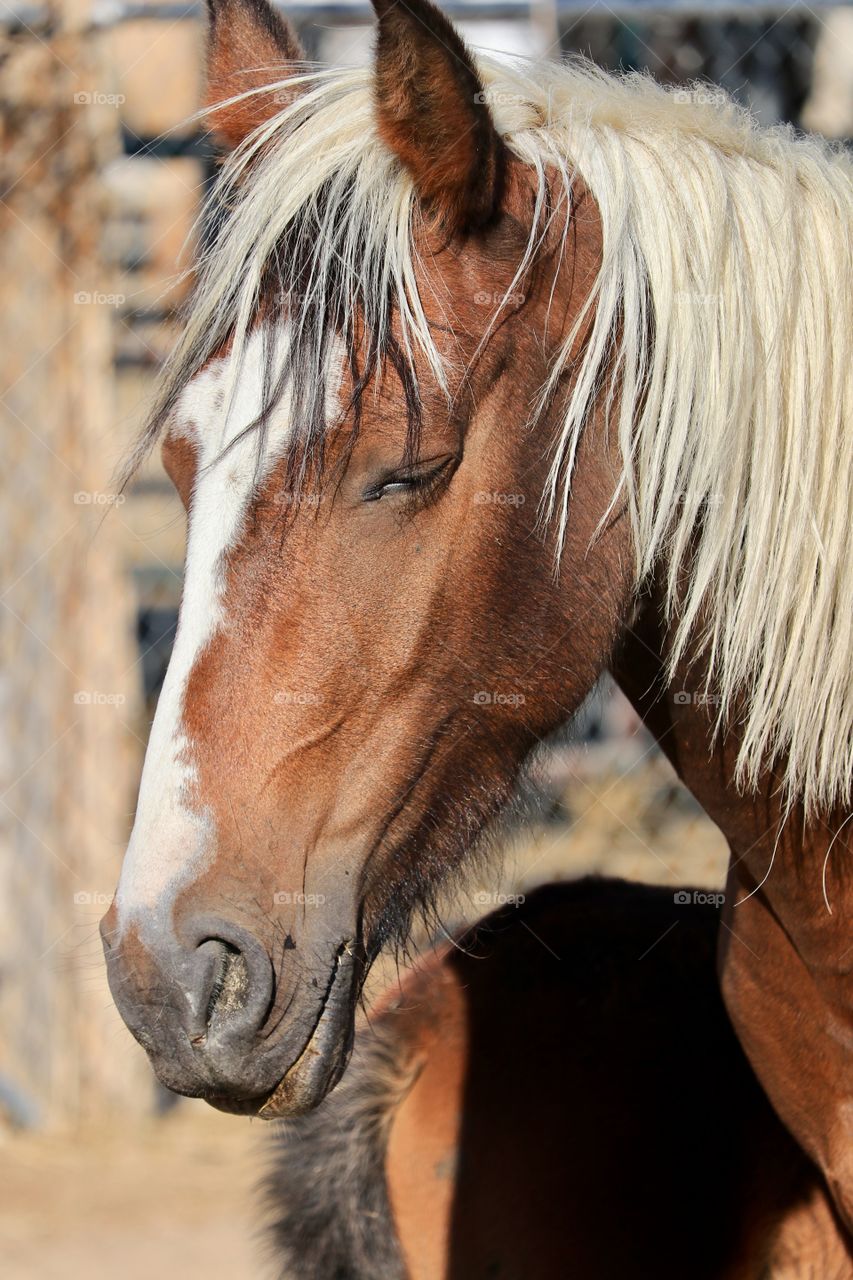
<point x="421" y="481"/>
<point x="391" y="486"/>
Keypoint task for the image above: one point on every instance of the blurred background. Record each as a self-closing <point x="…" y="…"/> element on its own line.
<point x="104" y="174"/>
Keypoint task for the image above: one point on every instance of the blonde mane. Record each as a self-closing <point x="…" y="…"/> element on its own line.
<point x="722" y="307"/>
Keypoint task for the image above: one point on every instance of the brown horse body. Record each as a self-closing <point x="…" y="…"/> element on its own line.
<point x="563" y="1096"/>
<point x="372" y="639"/>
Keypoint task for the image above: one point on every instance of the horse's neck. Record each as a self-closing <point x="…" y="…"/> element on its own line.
<point x="682" y="719"/>
<point x="785" y="945"/>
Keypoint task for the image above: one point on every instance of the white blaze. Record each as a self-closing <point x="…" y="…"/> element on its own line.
<point x="171" y="838"/>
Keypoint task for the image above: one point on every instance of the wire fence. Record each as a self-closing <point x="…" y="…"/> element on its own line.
<point x="101" y="186"/>
<point x="69" y="689"/>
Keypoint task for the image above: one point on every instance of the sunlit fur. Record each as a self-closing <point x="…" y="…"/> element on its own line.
<point x="721" y="321"/>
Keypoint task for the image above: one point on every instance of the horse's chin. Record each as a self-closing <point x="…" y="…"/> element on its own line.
<point x="235" y="1106"/>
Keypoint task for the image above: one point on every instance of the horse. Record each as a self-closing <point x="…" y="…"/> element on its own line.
<point x="560" y="1093"/>
<point x="496" y="375"/>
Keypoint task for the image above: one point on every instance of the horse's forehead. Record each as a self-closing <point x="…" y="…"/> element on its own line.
<point x="221" y="402"/>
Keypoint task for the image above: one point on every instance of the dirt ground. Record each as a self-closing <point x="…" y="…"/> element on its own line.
<point x="176" y="1198"/>
<point x="172" y="1199"/>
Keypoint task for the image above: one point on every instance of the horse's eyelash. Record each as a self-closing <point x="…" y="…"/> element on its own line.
<point x="420" y="487"/>
<point x="424" y="488"/>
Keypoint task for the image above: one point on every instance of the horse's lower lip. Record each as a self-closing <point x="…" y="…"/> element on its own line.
<point x="235" y="1106"/>
<point x="320" y="1063"/>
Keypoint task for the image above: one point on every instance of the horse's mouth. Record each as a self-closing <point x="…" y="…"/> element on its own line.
<point x="322" y="1060"/>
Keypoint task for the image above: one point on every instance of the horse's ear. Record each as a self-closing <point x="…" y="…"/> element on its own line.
<point x="249" y="45"/>
<point x="433" y="114"/>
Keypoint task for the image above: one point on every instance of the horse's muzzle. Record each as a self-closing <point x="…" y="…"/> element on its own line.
<point x="209" y="1011"/>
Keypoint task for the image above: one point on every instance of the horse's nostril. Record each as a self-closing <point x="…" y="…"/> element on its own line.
<point x="230" y="985"/>
<point x="230" y="990"/>
<point x="198" y="998"/>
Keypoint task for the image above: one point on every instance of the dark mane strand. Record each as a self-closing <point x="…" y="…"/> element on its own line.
<point x="290" y="302"/>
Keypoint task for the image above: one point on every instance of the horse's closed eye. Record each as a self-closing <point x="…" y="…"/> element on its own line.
<point x="419" y="484"/>
<point x="393" y="486"/>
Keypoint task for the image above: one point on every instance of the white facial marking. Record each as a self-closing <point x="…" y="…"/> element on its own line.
<point x="171" y="838"/>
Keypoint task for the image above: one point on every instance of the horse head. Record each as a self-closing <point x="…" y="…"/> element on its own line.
<point x="371" y="639"/>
